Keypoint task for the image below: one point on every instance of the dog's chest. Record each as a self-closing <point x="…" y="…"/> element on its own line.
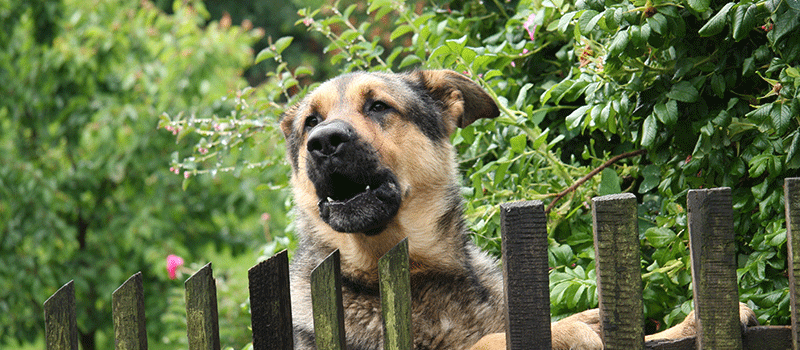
<point x="448" y="312"/>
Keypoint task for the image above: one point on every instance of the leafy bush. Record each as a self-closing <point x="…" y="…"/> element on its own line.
<point x="86" y="193"/>
<point x="579" y="83"/>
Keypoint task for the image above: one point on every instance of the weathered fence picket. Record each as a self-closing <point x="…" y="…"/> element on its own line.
<point x="525" y="268"/>
<point x="326" y="303"/>
<point x="713" y="253"/>
<point x="202" y="320"/>
<point x="526" y="280"/>
<point x="127" y="305"/>
<point x="791" y="191"/>
<point x="270" y="304"/>
<point x="619" y="272"/>
<point x="60" y="325"/>
<point x="394" y="276"/>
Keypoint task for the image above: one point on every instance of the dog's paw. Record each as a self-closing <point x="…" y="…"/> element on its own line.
<point x="571" y="335"/>
<point x="688" y="328"/>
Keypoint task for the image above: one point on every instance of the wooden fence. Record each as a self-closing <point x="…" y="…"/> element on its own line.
<point x="524" y="248"/>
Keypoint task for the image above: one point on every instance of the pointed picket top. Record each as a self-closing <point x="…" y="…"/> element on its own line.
<point x="270" y="304"/>
<point x="326" y="303"/>
<point x="202" y="321"/>
<point x="127" y="304"/>
<point x="60" y="326"/>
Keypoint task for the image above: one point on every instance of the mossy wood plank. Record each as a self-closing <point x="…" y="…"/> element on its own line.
<point x="326" y="303"/>
<point x="270" y="304"/>
<point x="526" y="280"/>
<point x="713" y="253"/>
<point x="619" y="275"/>
<point x="395" y="287"/>
<point x="202" y="321"/>
<point x="60" y="327"/>
<point x="127" y="305"/>
<point x="791" y="188"/>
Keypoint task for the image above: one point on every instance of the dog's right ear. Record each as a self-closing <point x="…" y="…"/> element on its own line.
<point x="463" y="101"/>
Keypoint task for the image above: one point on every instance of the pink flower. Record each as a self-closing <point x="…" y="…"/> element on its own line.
<point x="308" y="21"/>
<point x="513" y="64"/>
<point x="173" y="263"/>
<point x="186" y="174"/>
<point x="528" y="23"/>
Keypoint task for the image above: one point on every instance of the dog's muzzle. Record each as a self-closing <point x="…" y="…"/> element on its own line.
<point x="357" y="194"/>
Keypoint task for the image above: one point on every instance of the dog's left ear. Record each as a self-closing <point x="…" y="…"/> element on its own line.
<point x="462" y="99"/>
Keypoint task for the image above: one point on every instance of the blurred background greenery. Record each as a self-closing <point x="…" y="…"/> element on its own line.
<point x="130" y="131"/>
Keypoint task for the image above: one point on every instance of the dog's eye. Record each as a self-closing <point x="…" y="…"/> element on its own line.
<point x="377" y="107"/>
<point x="311" y="121"/>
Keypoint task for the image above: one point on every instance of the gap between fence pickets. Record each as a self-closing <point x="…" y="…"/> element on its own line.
<point x="524" y="218"/>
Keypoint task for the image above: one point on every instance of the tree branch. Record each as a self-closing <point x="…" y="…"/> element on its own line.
<point x="591" y="174"/>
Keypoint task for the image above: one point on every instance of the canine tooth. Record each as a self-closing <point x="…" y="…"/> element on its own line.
<point x="367" y="189"/>
<point x="330" y="199"/>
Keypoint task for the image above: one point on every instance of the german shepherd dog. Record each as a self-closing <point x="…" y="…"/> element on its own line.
<point x="372" y="165"/>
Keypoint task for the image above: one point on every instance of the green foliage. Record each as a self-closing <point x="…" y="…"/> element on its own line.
<point x="708" y="89"/>
<point x="86" y="191"/>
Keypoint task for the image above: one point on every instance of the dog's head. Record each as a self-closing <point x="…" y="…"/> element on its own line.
<point x="363" y="145"/>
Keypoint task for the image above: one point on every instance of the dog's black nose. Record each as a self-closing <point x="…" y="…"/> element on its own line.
<point x="328" y="138"/>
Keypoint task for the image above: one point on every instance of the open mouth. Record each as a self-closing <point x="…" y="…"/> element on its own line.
<point x="354" y="204"/>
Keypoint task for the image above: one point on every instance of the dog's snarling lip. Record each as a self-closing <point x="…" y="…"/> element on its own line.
<point x="353" y="207"/>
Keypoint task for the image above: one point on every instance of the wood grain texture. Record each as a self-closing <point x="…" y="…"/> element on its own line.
<point x="326" y="302"/>
<point x="60" y="327"/>
<point x="270" y="304"/>
<point x="525" y="272"/>
<point x="127" y="308"/>
<point x="202" y="320"/>
<point x="713" y="253"/>
<point x="791" y="191"/>
<point x="619" y="271"/>
<point x="395" y="288"/>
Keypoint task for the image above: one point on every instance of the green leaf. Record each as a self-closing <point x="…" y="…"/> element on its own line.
<point x="523" y="93"/>
<point x="659" y="236"/>
<point x="793" y="154"/>
<point x="652" y="176"/>
<point x="618" y="43"/>
<point x="659" y="23"/>
<point x="265" y="54"/>
<point x="781" y="118"/>
<point x="518" y="143"/>
<point x="574" y="119"/>
<point x="743" y="21"/>
<point x="795" y="4"/>
<point x="565" y="20"/>
<point x="699" y="5"/>
<point x="684" y="92"/>
<point x="587" y="21"/>
<point x="667" y="113"/>
<point x="718" y="85"/>
<point x="409" y="60"/>
<point x="649" y="130"/>
<point x="399" y="31"/>
<point x="282" y="43"/>
<point x="715" y="24"/>
<point x="609" y="182"/>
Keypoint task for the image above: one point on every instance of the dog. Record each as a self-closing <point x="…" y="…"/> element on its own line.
<point x="371" y="165"/>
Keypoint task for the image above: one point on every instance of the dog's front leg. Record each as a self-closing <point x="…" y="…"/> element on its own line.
<point x="688" y="327"/>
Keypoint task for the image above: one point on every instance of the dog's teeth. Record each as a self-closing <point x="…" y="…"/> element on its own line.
<point x="330" y="199"/>
<point x="367" y="189"/>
